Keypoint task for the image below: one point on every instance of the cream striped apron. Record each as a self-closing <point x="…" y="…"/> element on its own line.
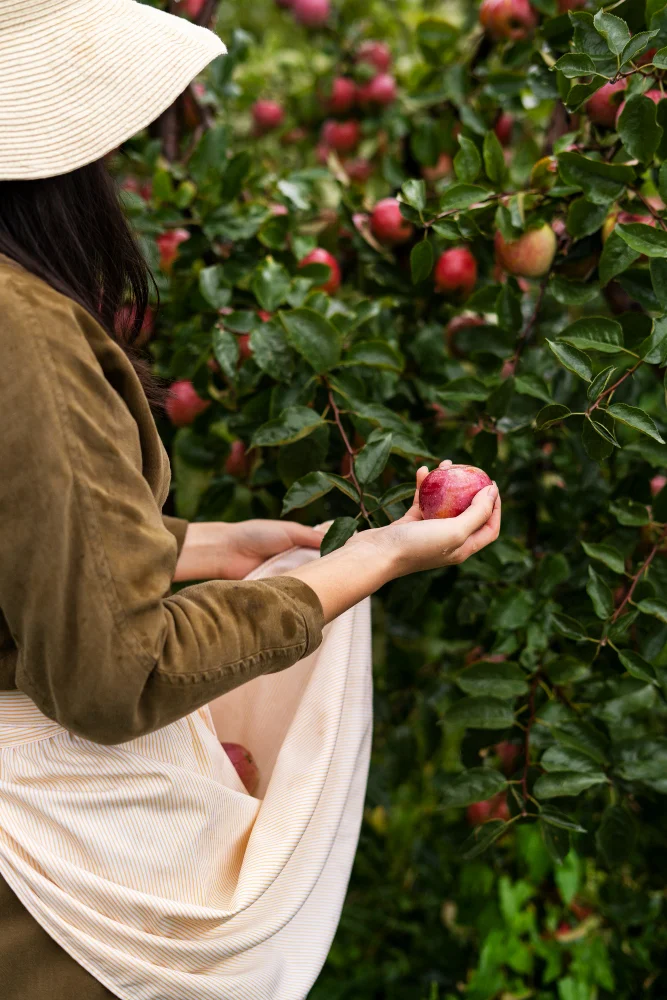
<point x="151" y="865"/>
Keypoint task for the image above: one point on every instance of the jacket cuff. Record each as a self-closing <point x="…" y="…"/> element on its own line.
<point x="177" y="527"/>
<point x="309" y="607"/>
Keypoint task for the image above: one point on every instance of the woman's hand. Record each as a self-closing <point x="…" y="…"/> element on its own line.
<point x="218" y="550"/>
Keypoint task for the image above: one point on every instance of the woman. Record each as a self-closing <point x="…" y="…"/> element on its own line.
<point x="96" y="658"/>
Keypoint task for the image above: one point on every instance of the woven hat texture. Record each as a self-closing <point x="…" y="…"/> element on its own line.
<point x="79" y="77"/>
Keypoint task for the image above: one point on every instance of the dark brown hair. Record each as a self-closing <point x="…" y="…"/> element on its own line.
<point x="70" y="231"/>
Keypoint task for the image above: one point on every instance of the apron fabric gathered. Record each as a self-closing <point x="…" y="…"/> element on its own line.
<point x="151" y="865"/>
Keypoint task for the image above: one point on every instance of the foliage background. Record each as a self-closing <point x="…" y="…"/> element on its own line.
<point x="554" y="640"/>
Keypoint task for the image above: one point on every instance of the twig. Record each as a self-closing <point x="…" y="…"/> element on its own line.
<point x="635" y="579"/>
<point x="649" y="206"/>
<point x="351" y="453"/>
<point x="611" y="388"/>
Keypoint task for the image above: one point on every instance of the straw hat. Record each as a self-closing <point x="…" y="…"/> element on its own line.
<point x="78" y="77"/>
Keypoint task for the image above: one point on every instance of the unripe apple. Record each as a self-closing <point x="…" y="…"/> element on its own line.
<point x="321" y="256"/>
<point x="442" y="168"/>
<point x="503" y="128"/>
<point x="184" y="404"/>
<point x="448" y="492"/>
<point x="653" y="95"/>
<point x="544" y="175"/>
<point x="617" y="217"/>
<point x="603" y="105"/>
<point x="244" y="763"/>
<point x="342" y="95"/>
<point x="456" y="272"/>
<point x="513" y="19"/>
<point x="168" y="244"/>
<point x="341" y="136"/>
<point x="388" y="225"/>
<point x="531" y="256"/>
<point x="380" y="90"/>
<point x="658" y="483"/>
<point x="377" y="54"/>
<point x="358" y="170"/>
<point x="311" y="13"/>
<point x="455" y="325"/>
<point x="237" y="463"/>
<point x="267" y="115"/>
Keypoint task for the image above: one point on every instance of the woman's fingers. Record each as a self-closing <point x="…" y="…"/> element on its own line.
<point x="302" y="536"/>
<point x="478" y="513"/>
<point x="445" y="465"/>
<point x="484" y="536"/>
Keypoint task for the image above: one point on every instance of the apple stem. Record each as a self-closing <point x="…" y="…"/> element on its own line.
<point x="351" y="453"/>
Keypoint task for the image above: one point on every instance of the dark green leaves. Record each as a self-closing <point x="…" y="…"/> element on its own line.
<point x="617" y="256"/>
<point x="340" y="532"/>
<point x="292" y="425"/>
<point x="572" y="359"/>
<point x="313" y="337"/>
<point x="575" y="64"/>
<point x="421" y="261"/>
<point x="494" y="159"/>
<point x="600" y="594"/>
<point x="502" y="680"/>
<point x="481" y="713"/>
<point x="473" y="785"/>
<point x="467" y="162"/>
<point x="270" y="284"/>
<point x="597" y="333"/>
<point x="606" y="554"/>
<point x="639" y="129"/>
<point x="600" y="181"/>
<point x="559" y="784"/>
<point x="372" y="458"/>
<point x="644" y="239"/>
<point x="613" y="29"/>
<point x="304" y="491"/>
<point x="634" y="417"/>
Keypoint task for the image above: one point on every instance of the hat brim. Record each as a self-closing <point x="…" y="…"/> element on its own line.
<point x="79" y="77"/>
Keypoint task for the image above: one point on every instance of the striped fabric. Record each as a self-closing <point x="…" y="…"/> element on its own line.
<point x="151" y="865"/>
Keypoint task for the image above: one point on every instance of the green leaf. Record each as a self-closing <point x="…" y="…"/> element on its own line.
<point x="340" y="532"/>
<point x="594" y="333"/>
<point x="414" y="194"/>
<point x="293" y="424"/>
<point x="433" y="36"/>
<point x="660" y="59"/>
<point x="629" y="512"/>
<point x="226" y="351"/>
<point x="512" y="610"/>
<point x="374" y="354"/>
<point x="569" y="626"/>
<point x="467" y="162"/>
<point x="271" y="352"/>
<point x="212" y="287"/>
<point x="616" y="835"/>
<point x="482" y="838"/>
<point x="644" y="239"/>
<point x="344" y="486"/>
<point x="532" y="385"/>
<point x="572" y="293"/>
<point x="556" y="840"/>
<point x="304" y="491"/>
<point x="313" y="337"/>
<point x="560" y="758"/>
<point x="494" y="159"/>
<point x="572" y="359"/>
<point x="596" y="439"/>
<point x="235" y="173"/>
<point x="550" y="415"/>
<point x="371" y="460"/>
<point x="600" y="595"/>
<point x="634" y="417"/>
<point x="565" y="783"/>
<point x="614" y="31"/>
<point x="655" y="607"/>
<point x="404" y="491"/>
<point x="582" y="736"/>
<point x="616" y="257"/>
<point x="270" y="284"/>
<point x="502" y="680"/>
<point x="474" y="785"/>
<point x="636" y="45"/>
<point x="637" y="666"/>
<point x="639" y="129"/>
<point x="575" y="64"/>
<point x="606" y="554"/>
<point x="461" y="196"/>
<point x="421" y="261"/>
<point x="584" y="218"/>
<point x="554" y="817"/>
<point x="599" y="383"/>
<point x="464" y="389"/>
<point x="659" y="279"/>
<point x="481" y="713"/>
<point x="600" y="181"/>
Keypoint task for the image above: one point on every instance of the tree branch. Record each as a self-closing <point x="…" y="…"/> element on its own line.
<point x="351" y="453"/>
<point x="635" y="579"/>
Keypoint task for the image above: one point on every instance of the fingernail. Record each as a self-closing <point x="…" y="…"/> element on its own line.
<point x="493" y="491"/>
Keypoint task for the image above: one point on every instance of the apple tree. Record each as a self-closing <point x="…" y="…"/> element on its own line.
<point x="387" y="234"/>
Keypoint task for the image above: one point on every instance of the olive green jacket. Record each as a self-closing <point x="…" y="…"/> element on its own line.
<point x="88" y="627"/>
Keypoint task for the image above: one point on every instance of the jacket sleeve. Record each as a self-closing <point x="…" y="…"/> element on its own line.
<point x="87" y="561"/>
<point x="177" y="527"/>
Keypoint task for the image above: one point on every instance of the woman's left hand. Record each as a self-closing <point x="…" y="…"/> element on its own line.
<point x="219" y="550"/>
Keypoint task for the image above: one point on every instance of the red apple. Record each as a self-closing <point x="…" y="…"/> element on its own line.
<point x="448" y="492"/>
<point x="237" y="463"/>
<point x="503" y="128"/>
<point x="603" y="105"/>
<point x="509" y="753"/>
<point x="646" y="57"/>
<point x="244" y="763"/>
<point x="388" y="225"/>
<point x="531" y="256"/>
<point x="380" y="90"/>
<point x="168" y="244"/>
<point x="616" y="217"/>
<point x="456" y="272"/>
<point x="321" y="256"/>
<point x="193" y="8"/>
<point x="245" y="350"/>
<point x="184" y="404"/>
<point x="358" y="170"/>
<point x="267" y="115"/>
<point x="377" y="54"/>
<point x="513" y="19"/>
<point x="342" y="95"/>
<point x="341" y="136"/>
<point x="658" y="483"/>
<point x="495" y="808"/>
<point x="565" y="5"/>
<point x="311" y="13"/>
<point x="653" y="95"/>
<point x="442" y="168"/>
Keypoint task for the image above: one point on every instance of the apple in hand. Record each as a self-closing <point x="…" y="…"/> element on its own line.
<point x="388" y="225"/>
<point x="448" y="492"/>
<point x="456" y="272"/>
<point x="512" y="19"/>
<point x="244" y="763"/>
<point x="184" y="404"/>
<point x="531" y="255"/>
